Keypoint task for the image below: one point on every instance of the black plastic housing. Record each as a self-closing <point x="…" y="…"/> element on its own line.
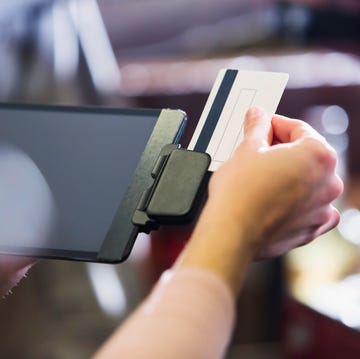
<point x="178" y="187"/>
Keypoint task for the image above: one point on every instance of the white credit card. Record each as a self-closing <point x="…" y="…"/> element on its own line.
<point x="220" y="127"/>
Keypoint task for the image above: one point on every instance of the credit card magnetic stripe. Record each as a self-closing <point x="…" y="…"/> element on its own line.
<point x="215" y="110"/>
<point x="220" y="127"/>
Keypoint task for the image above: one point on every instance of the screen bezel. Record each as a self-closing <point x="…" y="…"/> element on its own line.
<point x="117" y="244"/>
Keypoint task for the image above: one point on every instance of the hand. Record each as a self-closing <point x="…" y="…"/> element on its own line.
<point x="12" y="270"/>
<point x="274" y="194"/>
<point x="281" y="182"/>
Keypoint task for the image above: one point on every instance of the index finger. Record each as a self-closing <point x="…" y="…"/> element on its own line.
<point x="290" y="130"/>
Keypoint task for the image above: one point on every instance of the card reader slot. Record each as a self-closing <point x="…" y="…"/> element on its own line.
<point x="179" y="177"/>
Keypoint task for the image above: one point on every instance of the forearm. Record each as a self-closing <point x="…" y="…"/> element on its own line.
<point x="259" y="204"/>
<point x="188" y="315"/>
<point x="222" y="246"/>
<point x="191" y="315"/>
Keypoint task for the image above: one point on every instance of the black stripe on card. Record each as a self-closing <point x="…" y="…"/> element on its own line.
<point x="215" y="111"/>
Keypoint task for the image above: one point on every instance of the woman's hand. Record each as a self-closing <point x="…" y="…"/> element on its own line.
<point x="274" y="194"/>
<point x="12" y="270"/>
<point x="283" y="191"/>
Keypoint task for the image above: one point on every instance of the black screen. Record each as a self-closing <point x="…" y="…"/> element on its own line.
<point x="64" y="173"/>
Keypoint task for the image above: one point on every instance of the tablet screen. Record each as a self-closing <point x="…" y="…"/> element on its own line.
<point x="64" y="172"/>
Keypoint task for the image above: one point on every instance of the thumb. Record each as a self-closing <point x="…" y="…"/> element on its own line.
<point x="257" y="128"/>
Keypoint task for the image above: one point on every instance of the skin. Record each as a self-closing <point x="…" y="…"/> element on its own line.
<point x="12" y="270"/>
<point x="282" y="173"/>
<point x="275" y="194"/>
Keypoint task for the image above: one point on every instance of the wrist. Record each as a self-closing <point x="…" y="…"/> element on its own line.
<point x="221" y="245"/>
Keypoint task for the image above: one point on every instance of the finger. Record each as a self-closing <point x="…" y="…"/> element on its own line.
<point x="290" y="130"/>
<point x="328" y="192"/>
<point x="279" y="248"/>
<point x="312" y="231"/>
<point x="11" y="262"/>
<point x="257" y="128"/>
<point x="324" y="193"/>
<point x="331" y="224"/>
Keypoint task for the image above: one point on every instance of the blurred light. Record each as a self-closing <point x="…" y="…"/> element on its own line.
<point x="339" y="142"/>
<point x="231" y="31"/>
<point x="349" y="65"/>
<point x="306" y="69"/>
<point x="296" y="19"/>
<point x="335" y="120"/>
<point x="141" y="249"/>
<point x="349" y="310"/>
<point x="314" y="69"/>
<point x="248" y="63"/>
<point x="27" y="206"/>
<point x="95" y="42"/>
<point x="332" y="122"/>
<point x="324" y="300"/>
<point x="349" y="225"/>
<point x="66" y="47"/>
<point x="10" y="9"/>
<point x="340" y="301"/>
<point x="108" y="289"/>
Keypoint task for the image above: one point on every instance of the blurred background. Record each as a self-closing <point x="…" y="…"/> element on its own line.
<point x="166" y="53"/>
